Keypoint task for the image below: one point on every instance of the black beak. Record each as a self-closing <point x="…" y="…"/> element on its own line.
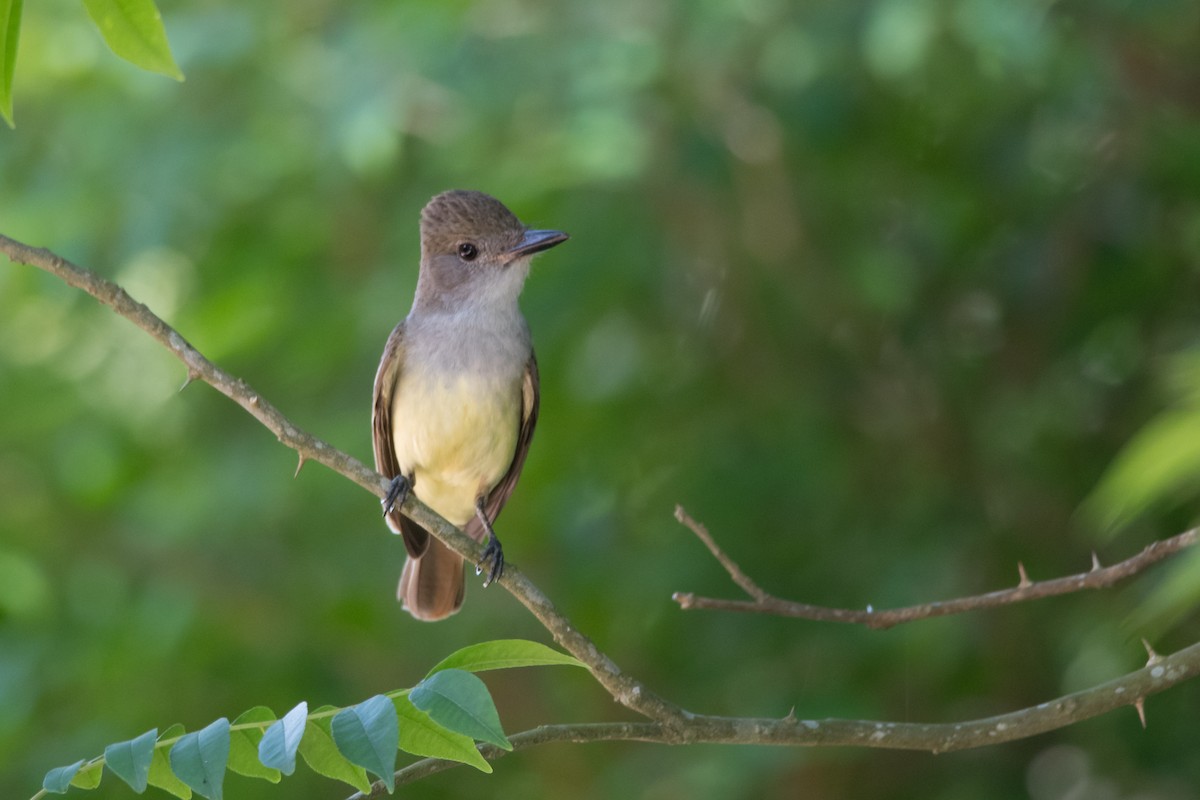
<point x="535" y="242"/>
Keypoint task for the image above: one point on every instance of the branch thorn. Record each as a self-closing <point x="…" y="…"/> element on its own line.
<point x="191" y="376"/>
<point x="299" y="466"/>
<point x="1024" y="583"/>
<point x="1140" y="705"/>
<point x="1152" y="657"/>
<point x="1096" y="562"/>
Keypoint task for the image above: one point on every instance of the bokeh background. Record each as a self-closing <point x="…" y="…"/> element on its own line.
<point x="877" y="289"/>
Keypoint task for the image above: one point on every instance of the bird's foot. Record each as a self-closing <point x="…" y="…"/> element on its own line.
<point x="493" y="558"/>
<point x="397" y="494"/>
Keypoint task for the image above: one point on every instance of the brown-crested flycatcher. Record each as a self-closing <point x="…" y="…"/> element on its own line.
<point x="456" y="395"/>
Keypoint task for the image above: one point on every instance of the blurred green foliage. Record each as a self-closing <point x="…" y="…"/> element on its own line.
<point x="1162" y="462"/>
<point x="877" y="289"/>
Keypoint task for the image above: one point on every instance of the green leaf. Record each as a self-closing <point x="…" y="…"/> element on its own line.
<point x="277" y="750"/>
<point x="368" y="734"/>
<point x="58" y="780"/>
<point x="461" y="702"/>
<point x="244" y="742"/>
<point x="89" y="777"/>
<point x="10" y="33"/>
<point x="134" y="30"/>
<point x="421" y="736"/>
<point x="1161" y="463"/>
<point x="321" y="754"/>
<point x="160" y="767"/>
<point x="502" y="654"/>
<point x="130" y="760"/>
<point x="200" y="758"/>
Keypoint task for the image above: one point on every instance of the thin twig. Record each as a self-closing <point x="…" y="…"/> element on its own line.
<point x="1130" y="689"/>
<point x="740" y="578"/>
<point x="1097" y="577"/>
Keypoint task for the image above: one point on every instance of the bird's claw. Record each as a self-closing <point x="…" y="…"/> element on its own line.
<point x="493" y="554"/>
<point x="397" y="494"/>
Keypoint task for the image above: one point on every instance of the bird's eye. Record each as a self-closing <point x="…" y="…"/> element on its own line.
<point x="467" y="251"/>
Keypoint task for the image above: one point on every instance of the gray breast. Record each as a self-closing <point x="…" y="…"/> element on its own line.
<point x="487" y="345"/>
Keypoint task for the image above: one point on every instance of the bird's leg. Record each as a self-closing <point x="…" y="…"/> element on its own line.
<point x="493" y="552"/>
<point x="397" y="493"/>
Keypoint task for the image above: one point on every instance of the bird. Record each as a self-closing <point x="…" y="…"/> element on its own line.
<point x="456" y="395"/>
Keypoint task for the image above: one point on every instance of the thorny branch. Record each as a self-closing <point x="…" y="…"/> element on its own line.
<point x="938" y="737"/>
<point x="1098" y="577"/>
<point x="669" y="723"/>
<point x="623" y="689"/>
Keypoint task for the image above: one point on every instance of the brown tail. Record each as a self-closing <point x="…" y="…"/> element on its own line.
<point x="432" y="586"/>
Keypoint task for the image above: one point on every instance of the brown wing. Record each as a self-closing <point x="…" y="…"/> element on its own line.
<point x="416" y="538"/>
<point x="498" y="496"/>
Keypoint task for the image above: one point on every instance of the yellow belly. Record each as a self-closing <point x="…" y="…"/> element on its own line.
<point x="456" y="437"/>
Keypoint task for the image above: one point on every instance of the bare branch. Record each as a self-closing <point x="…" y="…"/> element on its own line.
<point x="938" y="737"/>
<point x="1097" y="577"/>
<point x="623" y="688"/>
<point x="198" y="367"/>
